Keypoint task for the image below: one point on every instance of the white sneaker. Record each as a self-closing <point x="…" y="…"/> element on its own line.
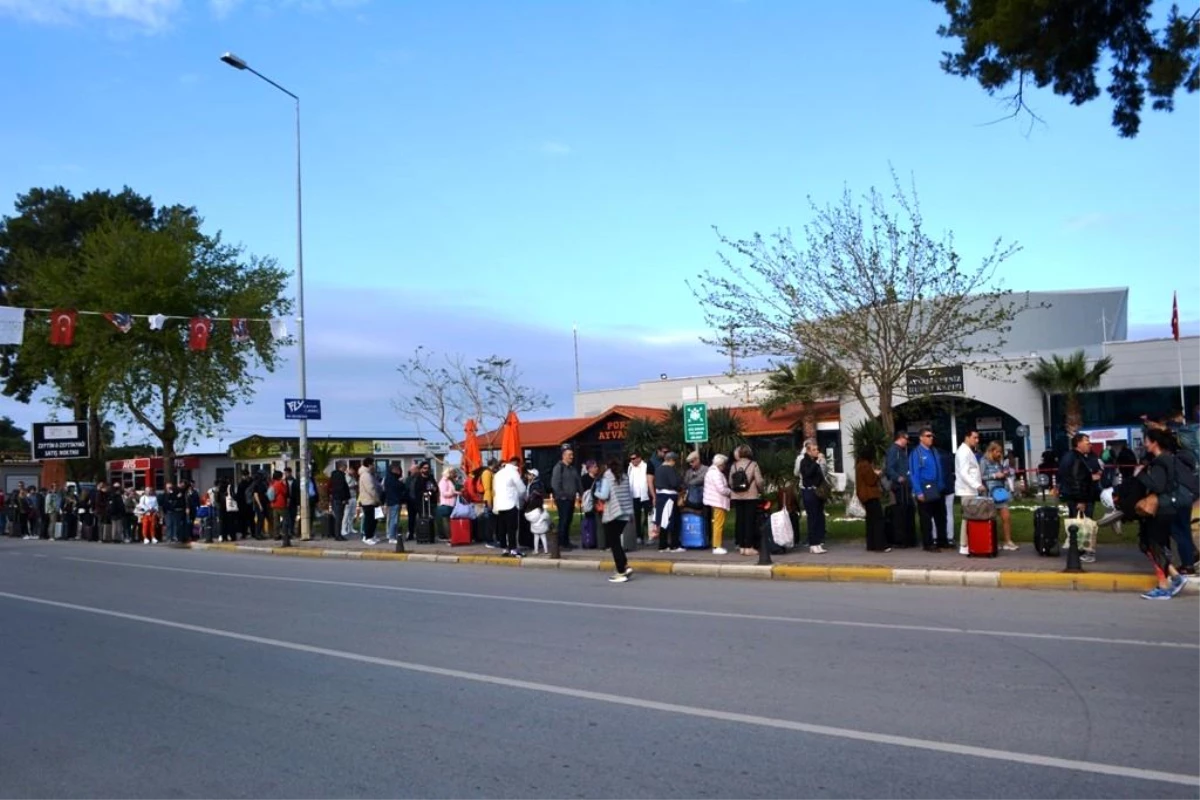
<point x="618" y="578"/>
<point x="628" y="571"/>
<point x="720" y="551"/>
<point x="145" y="541"/>
<point x="1110" y="518"/>
<point x="372" y="541"/>
<point x="1087" y="558"/>
<point x="1010" y="547"/>
<point x="154" y="541"/>
<point x="964" y="551"/>
<point x="818" y="550"/>
<point x="677" y="550"/>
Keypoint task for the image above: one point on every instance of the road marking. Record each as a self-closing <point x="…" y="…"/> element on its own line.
<point x="1030" y="759"/>
<point x="654" y="610"/>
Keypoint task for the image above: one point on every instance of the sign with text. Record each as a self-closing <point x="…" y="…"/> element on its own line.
<point x="695" y="423"/>
<point x="935" y="380"/>
<point x="60" y="440"/>
<point x="296" y="408"/>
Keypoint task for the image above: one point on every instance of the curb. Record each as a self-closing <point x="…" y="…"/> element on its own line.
<point x="1060" y="581"/>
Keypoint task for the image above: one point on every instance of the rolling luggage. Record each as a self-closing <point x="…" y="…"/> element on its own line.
<point x="693" y="533"/>
<point x="425" y="532"/>
<point x="587" y="532"/>
<point x="460" y="532"/>
<point x="982" y="541"/>
<point x="1045" y="531"/>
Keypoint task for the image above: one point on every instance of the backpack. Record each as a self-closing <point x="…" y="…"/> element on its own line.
<point x="1184" y="489"/>
<point x="739" y="481"/>
<point x="248" y="495"/>
<point x="1188" y="437"/>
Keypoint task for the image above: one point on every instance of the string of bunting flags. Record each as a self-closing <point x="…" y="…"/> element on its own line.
<point x="63" y="321"/>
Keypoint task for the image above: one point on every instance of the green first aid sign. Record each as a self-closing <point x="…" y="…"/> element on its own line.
<point x="695" y="423"/>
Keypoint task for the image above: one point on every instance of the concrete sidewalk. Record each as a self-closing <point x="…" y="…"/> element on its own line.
<point x="1119" y="568"/>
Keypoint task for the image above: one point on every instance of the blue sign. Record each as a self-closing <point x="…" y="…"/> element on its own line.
<point x="295" y="408"/>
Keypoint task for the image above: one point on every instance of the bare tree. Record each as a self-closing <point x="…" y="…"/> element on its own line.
<point x="867" y="292"/>
<point x="444" y="391"/>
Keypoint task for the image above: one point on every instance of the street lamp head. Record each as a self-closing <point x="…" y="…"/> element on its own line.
<point x="233" y="61"/>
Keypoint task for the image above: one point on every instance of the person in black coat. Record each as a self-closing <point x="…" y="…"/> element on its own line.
<point x="339" y="496"/>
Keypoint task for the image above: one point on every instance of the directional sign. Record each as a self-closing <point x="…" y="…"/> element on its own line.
<point x="60" y="440"/>
<point x="695" y="423"/>
<point x="295" y="408"/>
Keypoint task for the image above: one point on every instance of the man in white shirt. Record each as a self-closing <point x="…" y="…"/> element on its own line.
<point x="968" y="481"/>
<point x="639" y="489"/>
<point x="508" y="492"/>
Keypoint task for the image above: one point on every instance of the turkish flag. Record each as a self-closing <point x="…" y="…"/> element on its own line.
<point x="62" y="327"/>
<point x="1175" y="316"/>
<point x="198" y="331"/>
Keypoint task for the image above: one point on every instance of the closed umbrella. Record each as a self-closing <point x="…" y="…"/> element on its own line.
<point x="510" y="439"/>
<point x="472" y="460"/>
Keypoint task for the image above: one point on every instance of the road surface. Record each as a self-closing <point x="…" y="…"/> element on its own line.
<point x="135" y="671"/>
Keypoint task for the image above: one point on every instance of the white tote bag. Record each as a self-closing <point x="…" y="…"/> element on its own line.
<point x="781" y="529"/>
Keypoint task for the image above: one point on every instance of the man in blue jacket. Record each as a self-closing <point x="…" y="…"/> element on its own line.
<point x="925" y="471"/>
<point x="895" y="469"/>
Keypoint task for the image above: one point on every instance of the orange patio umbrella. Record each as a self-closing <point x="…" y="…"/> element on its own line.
<point x="471" y="460"/>
<point x="510" y="439"/>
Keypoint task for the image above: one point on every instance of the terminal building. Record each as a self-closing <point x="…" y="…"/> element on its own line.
<point x="992" y="396"/>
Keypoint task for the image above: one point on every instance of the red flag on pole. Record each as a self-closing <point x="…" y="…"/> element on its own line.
<point x="198" y="332"/>
<point x="62" y="327"/>
<point x="1175" y="315"/>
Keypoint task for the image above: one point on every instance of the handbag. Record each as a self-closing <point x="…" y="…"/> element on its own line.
<point x="1085" y="530"/>
<point x="930" y="492"/>
<point x="781" y="529"/>
<point x="1147" y="506"/>
<point x="599" y="499"/>
<point x="462" y="509"/>
<point x="230" y="503"/>
<point x="978" y="508"/>
<point x="824" y="492"/>
<point x="1001" y="494"/>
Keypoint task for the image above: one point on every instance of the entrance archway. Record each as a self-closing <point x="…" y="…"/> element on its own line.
<point x="951" y="416"/>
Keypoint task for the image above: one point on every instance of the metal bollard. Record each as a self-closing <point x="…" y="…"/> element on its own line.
<point x="1073" y="563"/>
<point x="399" y="539"/>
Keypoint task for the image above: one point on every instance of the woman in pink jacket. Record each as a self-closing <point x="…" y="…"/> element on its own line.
<point x="716" y="499"/>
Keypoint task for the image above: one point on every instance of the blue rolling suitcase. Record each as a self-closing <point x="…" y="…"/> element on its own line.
<point x="693" y="533"/>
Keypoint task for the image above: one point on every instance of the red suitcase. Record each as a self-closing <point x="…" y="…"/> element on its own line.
<point x="981" y="538"/>
<point x="460" y="532"/>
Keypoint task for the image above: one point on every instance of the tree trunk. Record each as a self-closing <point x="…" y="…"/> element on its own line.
<point x="1074" y="416"/>
<point x="95" y="443"/>
<point x="810" y="423"/>
<point x="885" y="413"/>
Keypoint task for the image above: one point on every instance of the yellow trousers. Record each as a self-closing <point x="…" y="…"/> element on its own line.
<point x="718" y="526"/>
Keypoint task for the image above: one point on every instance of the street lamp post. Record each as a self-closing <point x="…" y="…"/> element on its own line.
<point x="305" y="520"/>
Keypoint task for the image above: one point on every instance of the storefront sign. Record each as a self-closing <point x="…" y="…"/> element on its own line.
<point x="613" y="430"/>
<point x="989" y="423"/>
<point x="60" y="440"/>
<point x="935" y="380"/>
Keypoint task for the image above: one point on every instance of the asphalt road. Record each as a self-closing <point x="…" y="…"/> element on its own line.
<point x="149" y="672"/>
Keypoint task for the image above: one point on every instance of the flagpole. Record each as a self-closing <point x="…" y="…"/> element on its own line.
<point x="575" y="337"/>
<point x="1179" y="355"/>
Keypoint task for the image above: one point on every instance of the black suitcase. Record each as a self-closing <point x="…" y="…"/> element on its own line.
<point x="425" y="529"/>
<point x="1045" y="531"/>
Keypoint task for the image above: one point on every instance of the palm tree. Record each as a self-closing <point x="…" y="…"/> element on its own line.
<point x="1069" y="376"/>
<point x="869" y="439"/>
<point x="642" y="436"/>
<point x="724" y="432"/>
<point x="672" y="428"/>
<point x="803" y="383"/>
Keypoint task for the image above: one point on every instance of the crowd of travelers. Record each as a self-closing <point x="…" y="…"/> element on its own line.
<point x="909" y="500"/>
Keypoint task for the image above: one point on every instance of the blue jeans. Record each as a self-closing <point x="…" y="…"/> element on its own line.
<point x="566" y="513"/>
<point x="393" y="522"/>
<point x="1181" y="532"/>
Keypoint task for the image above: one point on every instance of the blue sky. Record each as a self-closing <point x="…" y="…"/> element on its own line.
<point x="481" y="175"/>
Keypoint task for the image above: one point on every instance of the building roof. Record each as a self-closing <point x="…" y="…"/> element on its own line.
<point x="553" y="432"/>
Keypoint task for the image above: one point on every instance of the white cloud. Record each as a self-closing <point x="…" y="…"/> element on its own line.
<point x="552" y="148"/>
<point x="222" y="8"/>
<point x="152" y="15"/>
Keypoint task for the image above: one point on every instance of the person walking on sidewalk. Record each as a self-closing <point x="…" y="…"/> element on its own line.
<point x="613" y="490"/>
<point x="567" y="487"/>
<point x="968" y="481"/>
<point x="1162" y="480"/>
<point x="925" y="471"/>
<point x="716" y="499"/>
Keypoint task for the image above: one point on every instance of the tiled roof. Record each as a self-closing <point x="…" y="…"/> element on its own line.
<point x="553" y="432"/>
